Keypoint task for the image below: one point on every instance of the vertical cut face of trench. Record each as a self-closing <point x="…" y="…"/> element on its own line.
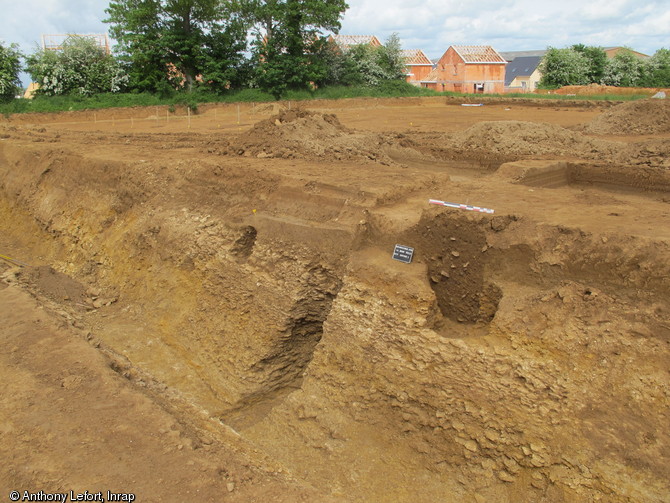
<point x="281" y="370"/>
<point x="290" y="357"/>
<point x="244" y="245"/>
<point x="455" y="253"/>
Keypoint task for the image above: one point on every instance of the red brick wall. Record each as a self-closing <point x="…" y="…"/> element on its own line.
<point x="456" y="75"/>
<point x="419" y="72"/>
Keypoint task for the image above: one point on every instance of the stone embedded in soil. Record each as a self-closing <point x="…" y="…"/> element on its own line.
<point x="471" y="445"/>
<point x="505" y="476"/>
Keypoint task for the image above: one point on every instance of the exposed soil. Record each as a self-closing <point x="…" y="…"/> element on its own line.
<point x="310" y="135"/>
<point x="206" y="306"/>
<point x="522" y="139"/>
<point x="650" y="116"/>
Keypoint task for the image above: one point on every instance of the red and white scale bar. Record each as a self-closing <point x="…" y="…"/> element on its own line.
<point x="460" y="206"/>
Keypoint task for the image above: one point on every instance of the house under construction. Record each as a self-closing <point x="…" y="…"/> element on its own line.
<point x="55" y="42"/>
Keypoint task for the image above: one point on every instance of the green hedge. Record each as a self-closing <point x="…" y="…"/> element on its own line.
<point x="68" y="103"/>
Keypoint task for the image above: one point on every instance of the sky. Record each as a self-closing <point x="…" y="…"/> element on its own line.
<point x="430" y="25"/>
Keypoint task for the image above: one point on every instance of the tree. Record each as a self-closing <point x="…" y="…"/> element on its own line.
<point x="195" y="38"/>
<point x="657" y="72"/>
<point x="268" y="17"/>
<point x="289" y="40"/>
<point x="624" y="70"/>
<point x="79" y="67"/>
<point x="223" y="64"/>
<point x="340" y="68"/>
<point x="375" y="65"/>
<point x="10" y="66"/>
<point x="564" y="67"/>
<point x="391" y="58"/>
<point x="597" y="61"/>
<point x="135" y="24"/>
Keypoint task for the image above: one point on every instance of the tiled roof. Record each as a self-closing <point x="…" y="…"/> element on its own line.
<point x="432" y="76"/>
<point x="415" y="57"/>
<point x="478" y="54"/>
<point x="347" y="41"/>
<point x="511" y="55"/>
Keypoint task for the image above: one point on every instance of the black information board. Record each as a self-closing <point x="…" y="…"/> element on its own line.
<point x="403" y="253"/>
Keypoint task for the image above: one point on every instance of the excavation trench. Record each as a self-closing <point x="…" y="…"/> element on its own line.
<point x="643" y="180"/>
<point x="262" y="293"/>
<point x="280" y="371"/>
<point x="454" y="248"/>
<point x="223" y="310"/>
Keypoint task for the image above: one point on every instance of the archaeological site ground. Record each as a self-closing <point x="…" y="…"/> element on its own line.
<point x="205" y="306"/>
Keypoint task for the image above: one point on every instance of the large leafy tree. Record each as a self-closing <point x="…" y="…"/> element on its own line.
<point x="624" y="70"/>
<point x="176" y="42"/>
<point x="270" y="17"/>
<point x="135" y="24"/>
<point x="340" y="67"/>
<point x="80" y="66"/>
<point x="374" y="65"/>
<point x="564" y="67"/>
<point x="10" y="66"/>
<point x="597" y="61"/>
<point x="289" y="39"/>
<point x="658" y="70"/>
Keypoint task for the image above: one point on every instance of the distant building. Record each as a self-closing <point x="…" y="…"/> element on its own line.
<point x="346" y="42"/>
<point x="610" y="52"/>
<point x="430" y="81"/>
<point x="613" y="51"/>
<point x="468" y="69"/>
<point x="522" y="74"/>
<point x="55" y="42"/>
<point x="511" y="55"/>
<point x="417" y="64"/>
<point x="30" y="91"/>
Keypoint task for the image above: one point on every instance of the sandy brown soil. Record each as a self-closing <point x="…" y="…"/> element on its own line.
<point x="205" y="306"/>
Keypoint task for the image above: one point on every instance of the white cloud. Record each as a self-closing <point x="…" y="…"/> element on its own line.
<point x="25" y="22"/>
<point x="516" y="25"/>
<point x="431" y="25"/>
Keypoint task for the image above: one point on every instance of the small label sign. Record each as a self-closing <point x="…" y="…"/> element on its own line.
<point x="403" y="253"/>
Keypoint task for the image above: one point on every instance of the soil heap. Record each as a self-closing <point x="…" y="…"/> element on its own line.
<point x="650" y="116"/>
<point x="303" y="134"/>
<point x="528" y="139"/>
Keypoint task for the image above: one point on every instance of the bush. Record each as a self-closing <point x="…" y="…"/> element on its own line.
<point x="564" y="67"/>
<point x="80" y="67"/>
<point x="399" y="88"/>
<point x="10" y="66"/>
<point x="624" y="70"/>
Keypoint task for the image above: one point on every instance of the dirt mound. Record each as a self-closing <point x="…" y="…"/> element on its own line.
<point x="264" y="108"/>
<point x="528" y="139"/>
<point x="650" y="116"/>
<point x="304" y="134"/>
<point x="599" y="89"/>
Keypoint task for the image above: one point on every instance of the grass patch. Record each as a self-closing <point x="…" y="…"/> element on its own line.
<point x="392" y="89"/>
<point x="49" y="104"/>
